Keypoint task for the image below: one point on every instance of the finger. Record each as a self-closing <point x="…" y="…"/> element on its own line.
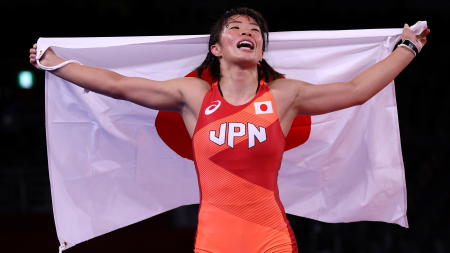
<point x="423" y="36"/>
<point x="34" y="45"/>
<point x="423" y="41"/>
<point x="407" y="30"/>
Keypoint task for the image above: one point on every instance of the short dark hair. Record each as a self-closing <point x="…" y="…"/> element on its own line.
<point x="211" y="62"/>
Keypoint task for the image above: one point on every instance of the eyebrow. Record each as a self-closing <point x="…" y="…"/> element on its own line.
<point x="239" y="22"/>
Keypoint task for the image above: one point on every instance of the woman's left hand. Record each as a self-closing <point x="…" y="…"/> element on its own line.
<point x="418" y="40"/>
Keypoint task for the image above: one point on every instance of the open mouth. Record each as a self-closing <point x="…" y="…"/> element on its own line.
<point x="246" y="44"/>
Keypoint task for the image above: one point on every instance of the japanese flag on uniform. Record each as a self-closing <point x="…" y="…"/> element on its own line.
<point x="113" y="163"/>
<point x="264" y="107"/>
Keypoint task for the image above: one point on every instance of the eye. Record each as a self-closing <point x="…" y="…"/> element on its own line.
<point x="256" y="30"/>
<point x="234" y="27"/>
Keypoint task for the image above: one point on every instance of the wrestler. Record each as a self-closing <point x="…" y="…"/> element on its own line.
<point x="238" y="124"/>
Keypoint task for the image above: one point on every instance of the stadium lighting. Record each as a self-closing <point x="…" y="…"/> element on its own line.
<point x="25" y="79"/>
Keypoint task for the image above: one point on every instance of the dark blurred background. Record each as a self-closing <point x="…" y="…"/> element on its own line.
<point x="26" y="218"/>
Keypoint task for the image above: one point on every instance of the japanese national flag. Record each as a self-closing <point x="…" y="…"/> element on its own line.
<point x="113" y="163"/>
<point x="264" y="107"/>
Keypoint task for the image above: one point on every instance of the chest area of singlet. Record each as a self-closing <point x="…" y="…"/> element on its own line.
<point x="236" y="134"/>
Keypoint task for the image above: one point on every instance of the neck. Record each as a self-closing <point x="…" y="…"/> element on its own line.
<point x="238" y="85"/>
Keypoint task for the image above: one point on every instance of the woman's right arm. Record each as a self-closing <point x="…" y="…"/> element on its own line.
<point x="159" y="95"/>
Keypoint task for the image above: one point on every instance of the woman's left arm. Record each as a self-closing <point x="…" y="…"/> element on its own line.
<point x="319" y="99"/>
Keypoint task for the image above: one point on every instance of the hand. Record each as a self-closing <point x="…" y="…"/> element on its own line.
<point x="418" y="40"/>
<point x="48" y="59"/>
<point x="33" y="56"/>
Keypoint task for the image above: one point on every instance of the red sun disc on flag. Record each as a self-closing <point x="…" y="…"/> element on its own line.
<point x="263" y="107"/>
<point x="173" y="132"/>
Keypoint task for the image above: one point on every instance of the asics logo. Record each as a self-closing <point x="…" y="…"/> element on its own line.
<point x="213" y="107"/>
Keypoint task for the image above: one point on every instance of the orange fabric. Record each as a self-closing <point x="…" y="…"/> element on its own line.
<point x="237" y="153"/>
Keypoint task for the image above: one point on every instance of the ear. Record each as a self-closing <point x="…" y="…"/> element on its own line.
<point x="216" y="50"/>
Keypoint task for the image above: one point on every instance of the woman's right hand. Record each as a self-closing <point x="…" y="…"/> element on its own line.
<point x="48" y="59"/>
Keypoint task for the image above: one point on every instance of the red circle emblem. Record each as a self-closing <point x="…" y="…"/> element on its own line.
<point x="263" y="107"/>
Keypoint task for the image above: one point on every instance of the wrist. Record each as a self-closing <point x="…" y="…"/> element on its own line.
<point x="52" y="61"/>
<point x="408" y="44"/>
<point x="407" y="50"/>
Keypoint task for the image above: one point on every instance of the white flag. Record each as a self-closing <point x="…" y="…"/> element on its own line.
<point x="113" y="163"/>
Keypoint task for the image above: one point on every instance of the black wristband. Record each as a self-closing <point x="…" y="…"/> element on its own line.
<point x="410" y="45"/>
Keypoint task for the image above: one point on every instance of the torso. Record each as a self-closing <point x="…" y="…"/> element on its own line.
<point x="282" y="95"/>
<point x="237" y="153"/>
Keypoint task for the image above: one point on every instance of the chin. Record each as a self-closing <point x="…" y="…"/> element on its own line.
<point x="246" y="61"/>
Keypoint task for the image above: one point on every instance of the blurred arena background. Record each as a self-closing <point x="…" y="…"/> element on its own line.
<point x="26" y="219"/>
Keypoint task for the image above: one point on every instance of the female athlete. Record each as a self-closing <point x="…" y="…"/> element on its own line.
<point x="239" y="123"/>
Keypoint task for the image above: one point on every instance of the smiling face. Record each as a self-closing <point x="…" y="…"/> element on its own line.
<point x="241" y="41"/>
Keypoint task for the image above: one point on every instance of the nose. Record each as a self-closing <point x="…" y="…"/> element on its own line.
<point x="246" y="33"/>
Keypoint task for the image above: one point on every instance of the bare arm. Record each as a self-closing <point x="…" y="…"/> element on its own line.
<point x="319" y="99"/>
<point x="160" y="95"/>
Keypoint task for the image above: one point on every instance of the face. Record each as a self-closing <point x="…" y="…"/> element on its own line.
<point x="241" y="41"/>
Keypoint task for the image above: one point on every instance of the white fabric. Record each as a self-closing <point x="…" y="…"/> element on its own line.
<point x="56" y="66"/>
<point x="109" y="168"/>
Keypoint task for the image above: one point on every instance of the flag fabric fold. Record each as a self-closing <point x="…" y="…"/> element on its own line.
<point x="109" y="166"/>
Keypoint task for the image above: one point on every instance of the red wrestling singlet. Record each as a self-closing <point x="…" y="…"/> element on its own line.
<point x="237" y="153"/>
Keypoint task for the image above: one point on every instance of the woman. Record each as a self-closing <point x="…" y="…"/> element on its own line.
<point x="238" y="124"/>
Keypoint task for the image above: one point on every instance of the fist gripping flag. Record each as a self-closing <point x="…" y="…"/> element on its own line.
<point x="113" y="163"/>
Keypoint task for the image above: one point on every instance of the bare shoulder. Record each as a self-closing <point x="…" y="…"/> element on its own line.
<point x="193" y="91"/>
<point x="286" y="83"/>
<point x="192" y="86"/>
<point x="193" y="82"/>
<point x="285" y="88"/>
<point x="285" y="93"/>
